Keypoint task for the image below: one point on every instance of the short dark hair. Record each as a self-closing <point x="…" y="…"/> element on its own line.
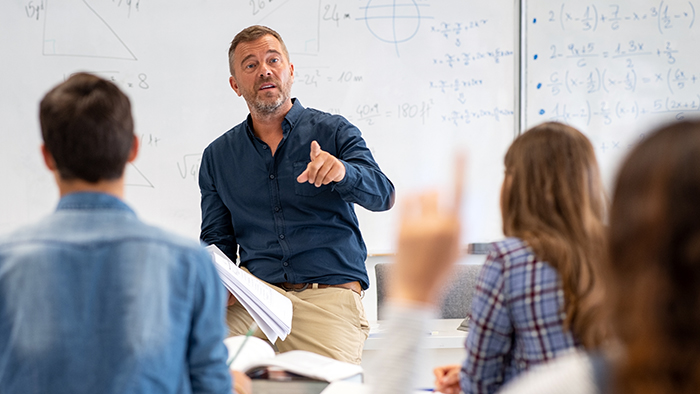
<point x="87" y="127"/>
<point x="250" y="34"/>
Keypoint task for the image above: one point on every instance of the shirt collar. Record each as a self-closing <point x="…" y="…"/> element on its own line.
<point x="92" y="200"/>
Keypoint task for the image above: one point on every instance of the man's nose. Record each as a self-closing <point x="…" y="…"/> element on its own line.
<point x="265" y="71"/>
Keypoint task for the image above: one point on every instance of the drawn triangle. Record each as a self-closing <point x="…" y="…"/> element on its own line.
<point x="74" y="28"/>
<point x="305" y="39"/>
<point x="134" y="177"/>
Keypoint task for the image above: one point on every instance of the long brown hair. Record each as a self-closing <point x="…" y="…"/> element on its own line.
<point x="553" y="199"/>
<point x="654" y="263"/>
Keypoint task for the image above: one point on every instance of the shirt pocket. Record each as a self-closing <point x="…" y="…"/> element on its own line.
<point x="306" y="189"/>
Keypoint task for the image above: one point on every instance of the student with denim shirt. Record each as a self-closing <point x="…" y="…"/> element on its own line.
<point x="92" y="300"/>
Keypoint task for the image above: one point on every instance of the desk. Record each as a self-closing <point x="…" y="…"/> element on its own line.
<point x="351" y="388"/>
<point x="444" y="345"/>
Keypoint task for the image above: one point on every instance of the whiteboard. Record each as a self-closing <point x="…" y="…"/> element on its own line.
<point x="613" y="69"/>
<point x="420" y="78"/>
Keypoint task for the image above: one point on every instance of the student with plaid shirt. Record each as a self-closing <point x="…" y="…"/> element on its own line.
<point x="651" y="282"/>
<point x="534" y="299"/>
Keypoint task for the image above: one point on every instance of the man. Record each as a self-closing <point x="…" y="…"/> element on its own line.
<point x="282" y="186"/>
<point x="92" y="300"/>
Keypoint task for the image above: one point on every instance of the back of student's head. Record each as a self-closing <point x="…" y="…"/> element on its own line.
<point x="553" y="199"/>
<point x="654" y="263"/>
<point x="87" y="128"/>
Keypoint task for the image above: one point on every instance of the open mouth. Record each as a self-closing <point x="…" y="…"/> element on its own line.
<point x="267" y="86"/>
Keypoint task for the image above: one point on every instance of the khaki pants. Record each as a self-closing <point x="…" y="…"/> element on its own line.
<point x="329" y="321"/>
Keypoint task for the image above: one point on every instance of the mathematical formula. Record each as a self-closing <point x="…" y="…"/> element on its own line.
<point x="665" y="16"/>
<point x="604" y="80"/>
<point x="608" y="111"/>
<point x="468" y="58"/>
<point x="367" y="113"/>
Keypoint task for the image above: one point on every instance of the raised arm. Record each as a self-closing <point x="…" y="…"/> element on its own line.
<point x="427" y="249"/>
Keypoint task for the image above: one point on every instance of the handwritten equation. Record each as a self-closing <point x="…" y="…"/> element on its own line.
<point x="455" y="85"/>
<point x="612" y="145"/>
<point x="188" y="167"/>
<point x="468" y="58"/>
<point x="665" y="16"/>
<point x="454" y="30"/>
<point x="34" y="9"/>
<point x="608" y="81"/>
<point x="607" y="112"/>
<point x="468" y="116"/>
<point x="367" y="113"/>
<point x="449" y="29"/>
<point x="125" y="80"/>
<point x="580" y="52"/>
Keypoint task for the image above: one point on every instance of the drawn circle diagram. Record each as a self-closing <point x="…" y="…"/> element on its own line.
<point x="391" y="21"/>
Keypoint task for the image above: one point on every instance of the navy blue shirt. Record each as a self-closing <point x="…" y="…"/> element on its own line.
<point x="289" y="231"/>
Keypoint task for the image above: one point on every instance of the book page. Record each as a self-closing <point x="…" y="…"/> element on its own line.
<point x="254" y="350"/>
<point x="311" y="365"/>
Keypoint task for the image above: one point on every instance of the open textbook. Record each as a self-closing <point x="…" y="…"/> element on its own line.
<point x="271" y="310"/>
<point x="259" y="361"/>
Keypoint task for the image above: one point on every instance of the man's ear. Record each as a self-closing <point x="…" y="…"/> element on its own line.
<point x="134" y="149"/>
<point x="234" y="85"/>
<point x="291" y="71"/>
<point x="48" y="158"/>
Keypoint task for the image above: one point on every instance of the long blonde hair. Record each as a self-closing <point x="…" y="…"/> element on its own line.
<point x="553" y="199"/>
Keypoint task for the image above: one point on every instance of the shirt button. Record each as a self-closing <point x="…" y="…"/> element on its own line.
<point x="281" y="236"/>
<point x="285" y="264"/>
<point x="277" y="209"/>
<point x="264" y="146"/>
<point x="272" y="176"/>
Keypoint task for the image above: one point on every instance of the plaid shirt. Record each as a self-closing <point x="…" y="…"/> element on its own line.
<point x="517" y="318"/>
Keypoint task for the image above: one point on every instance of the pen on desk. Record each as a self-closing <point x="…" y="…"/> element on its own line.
<point x="250" y="332"/>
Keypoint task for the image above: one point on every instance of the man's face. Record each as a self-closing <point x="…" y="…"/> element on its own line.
<point x="262" y="74"/>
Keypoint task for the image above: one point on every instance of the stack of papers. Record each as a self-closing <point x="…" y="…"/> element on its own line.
<point x="271" y="310"/>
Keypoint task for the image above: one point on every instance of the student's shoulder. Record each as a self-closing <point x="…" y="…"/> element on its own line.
<point x="511" y="249"/>
<point x="176" y="243"/>
<point x="25" y="233"/>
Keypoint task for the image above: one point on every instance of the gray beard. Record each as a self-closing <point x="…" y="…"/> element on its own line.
<point x="263" y="108"/>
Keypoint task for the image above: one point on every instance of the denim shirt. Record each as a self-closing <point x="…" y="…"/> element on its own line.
<point x="290" y="231"/>
<point x="92" y="300"/>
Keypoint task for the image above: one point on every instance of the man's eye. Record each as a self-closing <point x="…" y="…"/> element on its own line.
<point x="249" y="66"/>
<point x="275" y="60"/>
